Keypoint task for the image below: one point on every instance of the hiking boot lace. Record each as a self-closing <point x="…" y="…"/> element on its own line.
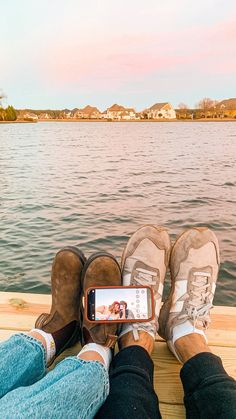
<point x="198" y="304"/>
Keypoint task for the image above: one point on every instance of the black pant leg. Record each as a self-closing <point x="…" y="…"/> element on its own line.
<point x="210" y="393"/>
<point x="132" y="394"/>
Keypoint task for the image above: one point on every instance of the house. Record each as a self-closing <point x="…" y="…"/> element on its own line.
<point x="29" y="116"/>
<point x="226" y="108"/>
<point x="65" y="114"/>
<point x="118" y="112"/>
<point x="45" y="115"/>
<point x="160" y="111"/>
<point x="89" y="112"/>
<point x="129" y="113"/>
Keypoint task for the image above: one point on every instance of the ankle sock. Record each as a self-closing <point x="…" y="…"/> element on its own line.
<point x="50" y="344"/>
<point x="185" y="329"/>
<point x="103" y="351"/>
<point x="135" y="327"/>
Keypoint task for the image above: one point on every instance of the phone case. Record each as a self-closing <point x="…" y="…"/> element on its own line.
<point x="121" y="320"/>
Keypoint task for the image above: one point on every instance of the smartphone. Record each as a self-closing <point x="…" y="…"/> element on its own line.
<point x="119" y="304"/>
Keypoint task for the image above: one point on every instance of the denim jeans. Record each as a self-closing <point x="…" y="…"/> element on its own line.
<point x="73" y="389"/>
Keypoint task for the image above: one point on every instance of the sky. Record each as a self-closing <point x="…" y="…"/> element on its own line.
<point x="64" y="54"/>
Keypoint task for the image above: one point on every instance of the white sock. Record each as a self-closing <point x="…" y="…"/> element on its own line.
<point x="103" y="351"/>
<point x="184" y="329"/>
<point x="50" y="344"/>
<point x="135" y="327"/>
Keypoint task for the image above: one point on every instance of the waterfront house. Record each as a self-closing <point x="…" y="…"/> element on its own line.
<point x="162" y="110"/>
<point x="118" y="112"/>
<point x="89" y="112"/>
<point x="29" y="116"/>
<point x="128" y="114"/>
<point x="226" y="108"/>
<point x="45" y="115"/>
<point x="65" y="114"/>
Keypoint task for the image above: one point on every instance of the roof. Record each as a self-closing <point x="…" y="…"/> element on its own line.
<point x="116" y="108"/>
<point x="158" y="106"/>
<point x="227" y="104"/>
<point x="90" y="109"/>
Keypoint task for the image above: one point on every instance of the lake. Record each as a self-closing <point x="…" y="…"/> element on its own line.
<point x="93" y="184"/>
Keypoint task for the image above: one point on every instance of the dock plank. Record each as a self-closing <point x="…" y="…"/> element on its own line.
<point x="18" y="312"/>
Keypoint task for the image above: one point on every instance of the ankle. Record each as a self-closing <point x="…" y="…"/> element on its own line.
<point x="46" y="339"/>
<point x="38" y="337"/>
<point x="91" y="356"/>
<point x="95" y="352"/>
<point x="191" y="345"/>
<point x="146" y="341"/>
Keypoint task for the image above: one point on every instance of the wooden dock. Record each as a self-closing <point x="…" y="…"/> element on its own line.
<point x="18" y="312"/>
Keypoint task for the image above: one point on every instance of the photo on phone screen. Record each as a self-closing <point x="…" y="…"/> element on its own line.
<point x="120" y="304"/>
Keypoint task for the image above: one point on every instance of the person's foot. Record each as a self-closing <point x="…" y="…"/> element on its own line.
<point x="63" y="321"/>
<point x="101" y="269"/>
<point x="144" y="262"/>
<point x="194" y="265"/>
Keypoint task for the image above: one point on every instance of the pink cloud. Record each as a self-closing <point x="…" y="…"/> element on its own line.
<point x="117" y="59"/>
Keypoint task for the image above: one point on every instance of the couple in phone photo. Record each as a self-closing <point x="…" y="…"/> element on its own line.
<point x="93" y="382"/>
<point x="115" y="311"/>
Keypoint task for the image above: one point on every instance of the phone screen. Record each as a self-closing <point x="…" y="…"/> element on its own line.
<point x="119" y="304"/>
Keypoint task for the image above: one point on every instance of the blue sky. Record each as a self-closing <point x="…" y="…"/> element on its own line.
<point x="61" y="54"/>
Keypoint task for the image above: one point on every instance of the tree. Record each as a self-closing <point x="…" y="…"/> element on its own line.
<point x="183" y="111"/>
<point x="10" y="114"/>
<point x="207" y="106"/>
<point x="2" y="96"/>
<point x="182" y="106"/>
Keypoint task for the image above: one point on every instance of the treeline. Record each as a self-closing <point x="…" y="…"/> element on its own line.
<point x="54" y="114"/>
<point x="208" y="108"/>
<point x="8" y="114"/>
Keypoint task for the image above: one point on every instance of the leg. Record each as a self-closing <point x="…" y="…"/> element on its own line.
<point x="209" y="392"/>
<point x="74" y="389"/>
<point x="132" y="393"/>
<point x="24" y="357"/>
<point x="144" y="262"/>
<point x="23" y="362"/>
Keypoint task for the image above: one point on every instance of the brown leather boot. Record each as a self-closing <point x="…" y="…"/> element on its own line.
<point x="66" y="295"/>
<point x="101" y="269"/>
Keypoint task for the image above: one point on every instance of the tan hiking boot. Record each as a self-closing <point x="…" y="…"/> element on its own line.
<point x="194" y="266"/>
<point x="101" y="269"/>
<point x="144" y="262"/>
<point x="66" y="295"/>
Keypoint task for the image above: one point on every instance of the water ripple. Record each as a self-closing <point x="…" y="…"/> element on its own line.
<point x="94" y="184"/>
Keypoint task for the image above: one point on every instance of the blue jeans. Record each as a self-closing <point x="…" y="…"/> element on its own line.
<point x="73" y="389"/>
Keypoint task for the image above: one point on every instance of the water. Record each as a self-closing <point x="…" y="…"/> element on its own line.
<point x="96" y="183"/>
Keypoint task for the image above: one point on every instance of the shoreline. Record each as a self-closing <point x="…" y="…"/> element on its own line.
<point x="19" y="121"/>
